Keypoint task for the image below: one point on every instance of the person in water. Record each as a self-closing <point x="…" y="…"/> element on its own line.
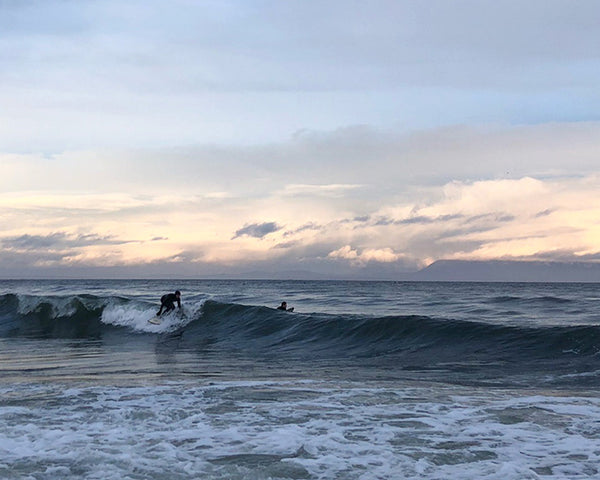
<point x="283" y="307"/>
<point x="168" y="302"/>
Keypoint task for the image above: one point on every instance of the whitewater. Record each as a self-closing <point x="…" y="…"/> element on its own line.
<point x="365" y="380"/>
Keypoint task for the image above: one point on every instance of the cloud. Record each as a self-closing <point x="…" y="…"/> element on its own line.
<point x="57" y="241"/>
<point x="373" y="198"/>
<point x="290" y="244"/>
<point x="544" y="213"/>
<point x="109" y="73"/>
<point x="311" y="226"/>
<point x="386" y="42"/>
<point x="257" y="230"/>
<point x="59" y="248"/>
<point x="331" y="190"/>
<point x="341" y="164"/>
<point x="382" y="255"/>
<point x="346" y="252"/>
<point x="33" y="260"/>
<point x="423" y="219"/>
<point x="34" y="242"/>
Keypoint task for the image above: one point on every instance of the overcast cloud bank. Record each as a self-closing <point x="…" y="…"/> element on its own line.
<point x="339" y="138"/>
<point x="390" y="210"/>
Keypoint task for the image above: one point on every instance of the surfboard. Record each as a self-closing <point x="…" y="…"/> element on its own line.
<point x="155" y="320"/>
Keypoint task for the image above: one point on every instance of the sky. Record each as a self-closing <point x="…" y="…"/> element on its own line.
<point x="299" y="138"/>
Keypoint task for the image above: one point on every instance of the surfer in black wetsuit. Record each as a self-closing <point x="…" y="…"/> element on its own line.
<point x="168" y="302"/>
<point x="283" y="307"/>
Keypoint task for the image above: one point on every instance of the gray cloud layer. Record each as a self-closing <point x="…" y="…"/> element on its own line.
<point x="257" y="230"/>
<point x="143" y="73"/>
<point x="270" y="44"/>
<point x="58" y="240"/>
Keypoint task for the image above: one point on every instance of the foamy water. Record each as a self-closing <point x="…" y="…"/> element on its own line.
<point x="244" y="430"/>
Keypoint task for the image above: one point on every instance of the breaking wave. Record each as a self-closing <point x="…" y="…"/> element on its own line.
<point x="255" y="329"/>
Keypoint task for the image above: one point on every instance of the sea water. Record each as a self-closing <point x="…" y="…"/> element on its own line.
<point x="365" y="380"/>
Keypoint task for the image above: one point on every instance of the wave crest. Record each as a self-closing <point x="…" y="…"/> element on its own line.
<point x="262" y="330"/>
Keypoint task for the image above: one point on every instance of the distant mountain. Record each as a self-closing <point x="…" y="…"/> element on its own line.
<point x="440" y="271"/>
<point x="509" y="271"/>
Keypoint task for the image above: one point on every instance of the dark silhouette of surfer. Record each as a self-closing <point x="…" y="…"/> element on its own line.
<point x="283" y="307"/>
<point x="168" y="302"/>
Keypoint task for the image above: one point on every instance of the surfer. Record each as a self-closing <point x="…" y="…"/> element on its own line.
<point x="168" y="302"/>
<point x="283" y="307"/>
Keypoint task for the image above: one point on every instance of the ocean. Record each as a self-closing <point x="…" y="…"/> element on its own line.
<point x="364" y="380"/>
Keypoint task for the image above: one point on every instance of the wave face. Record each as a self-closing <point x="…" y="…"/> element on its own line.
<point x="418" y="342"/>
<point x="51" y="317"/>
<point x="404" y="343"/>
